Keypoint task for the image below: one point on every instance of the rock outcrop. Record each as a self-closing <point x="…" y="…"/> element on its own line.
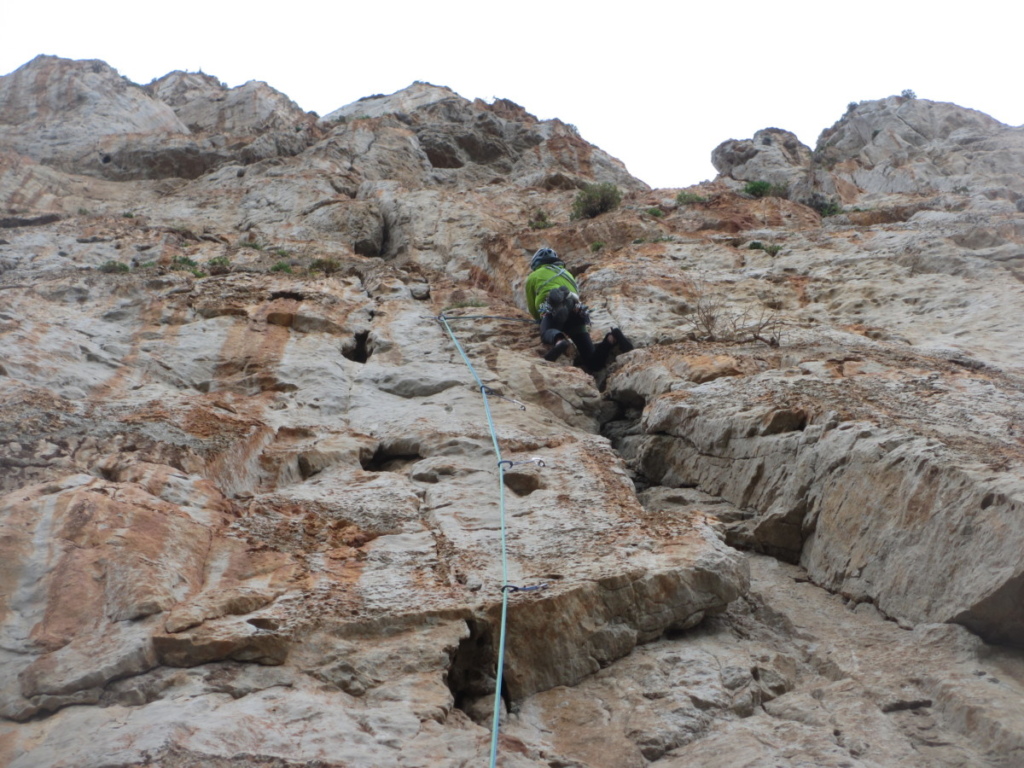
<point x="249" y="501"/>
<point x="901" y="148"/>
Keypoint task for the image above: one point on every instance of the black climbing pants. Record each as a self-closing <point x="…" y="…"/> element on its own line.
<point x="592" y="357"/>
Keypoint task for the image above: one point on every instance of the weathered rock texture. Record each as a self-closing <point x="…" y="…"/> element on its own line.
<point x="249" y="503"/>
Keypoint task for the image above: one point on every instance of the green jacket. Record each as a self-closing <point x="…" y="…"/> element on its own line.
<point x="542" y="281"/>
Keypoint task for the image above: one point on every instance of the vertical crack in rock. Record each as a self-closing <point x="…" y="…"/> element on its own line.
<point x="471" y="675"/>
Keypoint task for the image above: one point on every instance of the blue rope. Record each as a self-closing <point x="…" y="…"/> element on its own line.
<point x="495" y="721"/>
<point x="489" y="317"/>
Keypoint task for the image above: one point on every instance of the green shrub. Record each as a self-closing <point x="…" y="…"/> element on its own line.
<point x="284" y="253"/>
<point x="686" y="198"/>
<point x="183" y="263"/>
<point x="655" y="212"/>
<point x="251" y="244"/>
<point x="908" y="94"/>
<point x="595" y="199"/>
<point x="219" y="261"/>
<point x="128" y="215"/>
<point x="826" y="206"/>
<point x="766" y="189"/>
<point x="282" y="266"/>
<point x="327" y="266"/>
<point x="113" y="267"/>
<point x="758" y="188"/>
<point x="597" y="245"/>
<point x="540" y="221"/>
<point x="770" y="249"/>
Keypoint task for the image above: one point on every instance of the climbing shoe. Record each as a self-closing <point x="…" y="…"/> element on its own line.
<point x="556" y="351"/>
<point x="624" y="344"/>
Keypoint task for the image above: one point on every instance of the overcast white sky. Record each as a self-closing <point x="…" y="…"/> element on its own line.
<point x="658" y="85"/>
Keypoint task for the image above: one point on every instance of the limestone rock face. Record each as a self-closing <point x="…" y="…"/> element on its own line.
<point x="893" y="146"/>
<point x="206" y="105"/>
<point x="64" y="113"/>
<point x="250" y="503"/>
<point x="773" y="155"/>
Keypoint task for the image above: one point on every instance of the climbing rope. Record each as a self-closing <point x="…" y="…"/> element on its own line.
<point x="488" y="317"/>
<point x="506" y="588"/>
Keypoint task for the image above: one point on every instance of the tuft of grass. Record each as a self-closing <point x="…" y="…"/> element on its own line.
<point x="597" y="245"/>
<point x="758" y="188"/>
<point x="284" y="253"/>
<point x="256" y="246"/>
<point x="686" y="198"/>
<point x="327" y="266"/>
<point x="219" y="265"/>
<point x="113" y="267"/>
<point x="128" y="214"/>
<point x="540" y="220"/>
<point x="595" y="199"/>
<point x="655" y="212"/>
<point x="771" y="249"/>
<point x="826" y="206"/>
<point x="184" y="263"/>
<point x="83" y="211"/>
<point x="282" y="266"/>
<point x="766" y="189"/>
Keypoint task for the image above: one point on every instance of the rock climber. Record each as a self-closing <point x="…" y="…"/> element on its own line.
<point x="553" y="297"/>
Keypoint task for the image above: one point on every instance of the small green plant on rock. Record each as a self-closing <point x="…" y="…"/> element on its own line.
<point x="597" y="245"/>
<point x="256" y="246"/>
<point x="327" y="266"/>
<point x="113" y="267"/>
<point x="128" y="214"/>
<point x="687" y="198"/>
<point x="540" y="221"/>
<point x="185" y="264"/>
<point x="282" y="266"/>
<point x="908" y="94"/>
<point x="758" y="188"/>
<point x="219" y="265"/>
<point x="655" y="212"/>
<point x="771" y="249"/>
<point x="825" y="206"/>
<point x="595" y="199"/>
<point x="284" y="253"/>
<point x="766" y="189"/>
